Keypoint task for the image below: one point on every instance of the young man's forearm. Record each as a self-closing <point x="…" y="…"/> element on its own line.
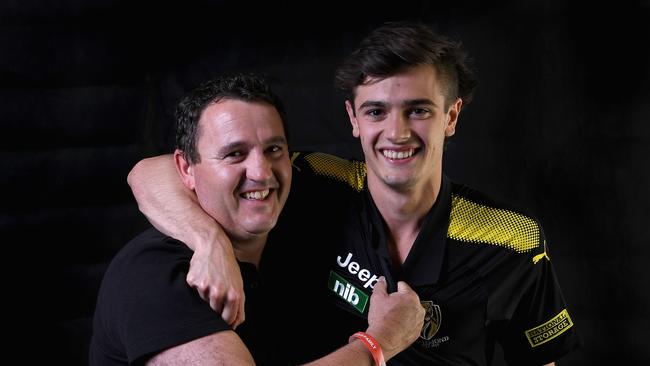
<point x="170" y="206"/>
<point x="174" y="210"/>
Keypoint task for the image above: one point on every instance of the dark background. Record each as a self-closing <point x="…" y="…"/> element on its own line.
<point x="559" y="125"/>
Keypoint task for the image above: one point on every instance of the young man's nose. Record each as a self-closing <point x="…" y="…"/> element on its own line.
<point x="398" y="128"/>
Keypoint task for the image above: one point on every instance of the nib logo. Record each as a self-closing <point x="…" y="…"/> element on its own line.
<point x="344" y="289"/>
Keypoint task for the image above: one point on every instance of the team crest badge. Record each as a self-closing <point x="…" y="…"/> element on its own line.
<point x="432" y="320"/>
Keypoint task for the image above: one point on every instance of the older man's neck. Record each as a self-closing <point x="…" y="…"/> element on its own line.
<point x="249" y="251"/>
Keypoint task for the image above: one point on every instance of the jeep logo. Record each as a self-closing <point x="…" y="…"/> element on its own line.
<point x="354" y="268"/>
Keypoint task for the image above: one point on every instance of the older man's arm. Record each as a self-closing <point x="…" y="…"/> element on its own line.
<point x="395" y="321"/>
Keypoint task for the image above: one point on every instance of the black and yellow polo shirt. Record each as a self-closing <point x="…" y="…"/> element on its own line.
<point x="481" y="269"/>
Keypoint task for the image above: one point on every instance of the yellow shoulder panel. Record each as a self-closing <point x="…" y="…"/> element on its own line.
<point x="475" y="223"/>
<point x="350" y="172"/>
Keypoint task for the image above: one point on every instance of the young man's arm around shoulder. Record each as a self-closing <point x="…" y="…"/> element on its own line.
<point x="174" y="210"/>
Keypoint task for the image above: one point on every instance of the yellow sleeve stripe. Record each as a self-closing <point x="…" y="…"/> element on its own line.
<point x="351" y="172"/>
<point x="476" y="223"/>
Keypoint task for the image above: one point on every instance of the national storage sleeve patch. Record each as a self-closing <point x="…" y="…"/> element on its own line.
<point x="549" y="330"/>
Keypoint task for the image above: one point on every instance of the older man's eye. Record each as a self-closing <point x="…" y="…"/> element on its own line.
<point x="419" y="112"/>
<point x="235" y="154"/>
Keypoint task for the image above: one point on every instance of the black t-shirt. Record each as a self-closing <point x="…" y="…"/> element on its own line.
<point x="145" y="305"/>
<point x="482" y="271"/>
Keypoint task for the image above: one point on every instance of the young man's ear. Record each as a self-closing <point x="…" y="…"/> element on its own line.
<point x="185" y="169"/>
<point x="353" y="119"/>
<point x="452" y="117"/>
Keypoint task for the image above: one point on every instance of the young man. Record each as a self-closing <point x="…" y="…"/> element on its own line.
<point x="481" y="268"/>
<point x="232" y="152"/>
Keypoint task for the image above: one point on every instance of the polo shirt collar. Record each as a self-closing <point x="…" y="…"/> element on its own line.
<point x="424" y="263"/>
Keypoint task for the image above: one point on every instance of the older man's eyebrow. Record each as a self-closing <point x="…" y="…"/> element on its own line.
<point x="276" y="140"/>
<point x="229" y="147"/>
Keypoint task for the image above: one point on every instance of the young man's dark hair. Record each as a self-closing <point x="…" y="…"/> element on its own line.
<point x="394" y="47"/>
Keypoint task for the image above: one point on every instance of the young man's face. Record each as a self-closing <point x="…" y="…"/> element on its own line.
<point x="402" y="123"/>
<point x="244" y="175"/>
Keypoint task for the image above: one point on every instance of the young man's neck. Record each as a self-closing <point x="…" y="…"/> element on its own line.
<point x="403" y="212"/>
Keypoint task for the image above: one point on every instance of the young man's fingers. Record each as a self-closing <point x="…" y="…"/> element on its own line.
<point x="229" y="313"/>
<point x="241" y="314"/>
<point x="217" y="304"/>
<point x="231" y="308"/>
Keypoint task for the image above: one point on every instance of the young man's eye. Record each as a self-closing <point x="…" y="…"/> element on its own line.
<point x="374" y="113"/>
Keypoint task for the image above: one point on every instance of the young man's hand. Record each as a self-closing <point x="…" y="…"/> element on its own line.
<point x="218" y="281"/>
<point x="174" y="210"/>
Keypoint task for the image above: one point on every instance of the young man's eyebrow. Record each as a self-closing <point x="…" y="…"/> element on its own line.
<point x="372" y="103"/>
<point x="406" y="103"/>
<point x="416" y="102"/>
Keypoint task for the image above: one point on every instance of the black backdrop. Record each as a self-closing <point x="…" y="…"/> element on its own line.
<point x="559" y="125"/>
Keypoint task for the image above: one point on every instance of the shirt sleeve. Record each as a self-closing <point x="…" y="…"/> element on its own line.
<point x="540" y="329"/>
<point x="157" y="308"/>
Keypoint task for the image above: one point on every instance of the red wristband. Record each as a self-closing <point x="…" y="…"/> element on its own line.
<point x="373" y="346"/>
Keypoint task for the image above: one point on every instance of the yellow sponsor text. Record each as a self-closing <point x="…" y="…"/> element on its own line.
<point x="549" y="330"/>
